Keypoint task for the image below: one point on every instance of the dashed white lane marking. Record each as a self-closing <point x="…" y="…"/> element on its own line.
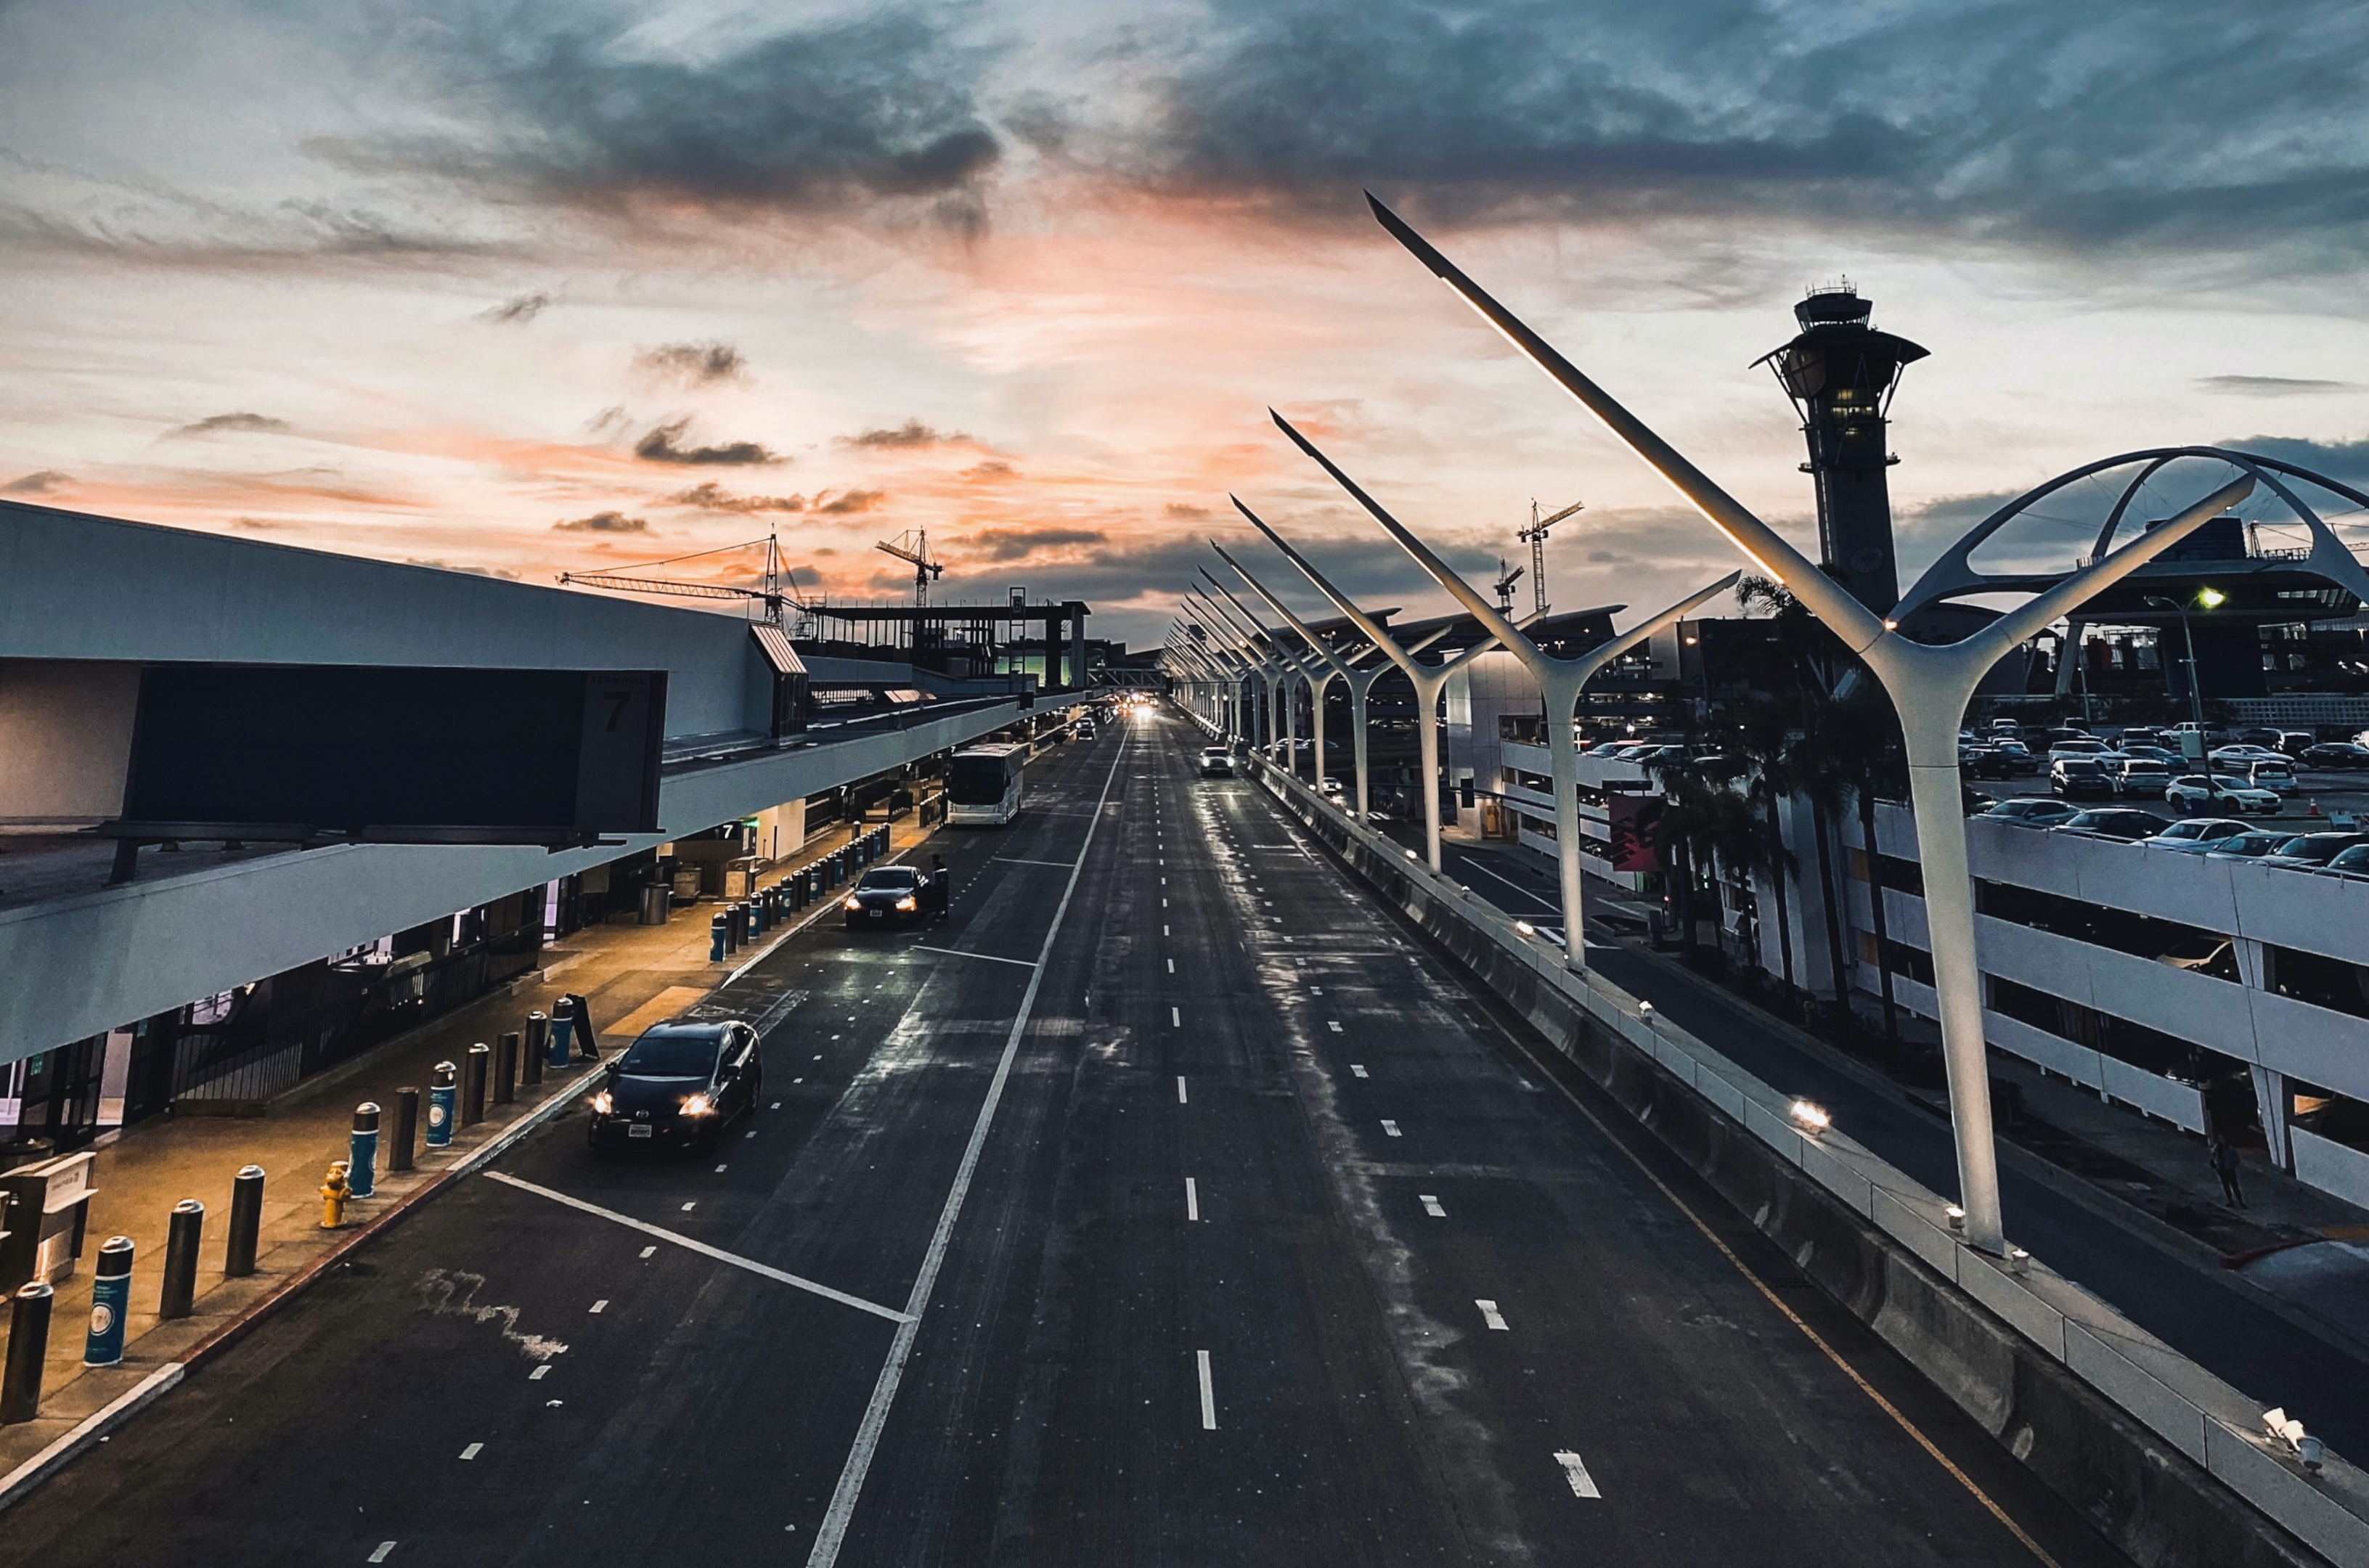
<point x="1175" y="1018"/>
<point x="1357" y="1069"/>
<point x="1191" y="1201"/>
<point x="702" y="1248"/>
<point x="1172" y="965"/>
<point x="601" y="1305"/>
<point x="380" y="1556"/>
<point x="1391" y="1127"/>
<point x="1431" y="1206"/>
<point x="539" y="1373"/>
<point x="1581" y="1484"/>
<point x="1333" y="1025"/>
<point x="1489" y="1315"/>
<point x="1208" y="1394"/>
<point x="472" y="1450"/>
<point x="1180" y="1089"/>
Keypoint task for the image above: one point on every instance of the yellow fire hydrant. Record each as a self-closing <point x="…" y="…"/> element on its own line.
<point x="335" y="1190"/>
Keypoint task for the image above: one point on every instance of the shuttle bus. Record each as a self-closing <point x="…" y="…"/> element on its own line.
<point x="983" y="785"/>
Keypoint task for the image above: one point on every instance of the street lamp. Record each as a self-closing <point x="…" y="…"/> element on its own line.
<point x="2209" y="598"/>
<point x="1929" y="685"/>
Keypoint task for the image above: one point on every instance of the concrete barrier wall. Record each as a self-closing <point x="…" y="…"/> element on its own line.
<point x="2168" y="1462"/>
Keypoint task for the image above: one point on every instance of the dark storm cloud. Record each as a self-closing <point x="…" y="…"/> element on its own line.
<point x="664" y="444"/>
<point x="906" y="437"/>
<point x="698" y="363"/>
<point x="1019" y="544"/>
<point x="41" y="482"/>
<point x="518" y="310"/>
<point x="604" y="522"/>
<point x="2272" y="386"/>
<point x="2347" y="462"/>
<point x="2181" y="123"/>
<point x="712" y="496"/>
<point x="231" y="424"/>
<point x="578" y="111"/>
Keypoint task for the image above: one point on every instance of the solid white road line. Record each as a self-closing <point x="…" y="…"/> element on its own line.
<point x="1581" y="1484"/>
<point x="1357" y="1069"/>
<point x="958" y="953"/>
<point x="1489" y="1315"/>
<point x="1208" y="1395"/>
<point x="380" y="1556"/>
<point x="1180" y="1089"/>
<point x="472" y="1450"/>
<point x="702" y="1248"/>
<point x="1192" y="1200"/>
<point x="1431" y="1206"/>
<point x="1391" y="1127"/>
<point x="841" y="1511"/>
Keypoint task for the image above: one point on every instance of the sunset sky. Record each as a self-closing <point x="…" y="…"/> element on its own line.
<point x="521" y="289"/>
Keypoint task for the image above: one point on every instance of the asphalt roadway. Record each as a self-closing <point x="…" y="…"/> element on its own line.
<point x="2199" y="1311"/>
<point x="1168" y="1203"/>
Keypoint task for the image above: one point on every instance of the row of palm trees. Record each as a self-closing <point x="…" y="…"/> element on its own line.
<point x="1820" y="737"/>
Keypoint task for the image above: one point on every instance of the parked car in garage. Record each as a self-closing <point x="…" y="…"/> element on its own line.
<point x="678" y="1086"/>
<point x="2218" y="791"/>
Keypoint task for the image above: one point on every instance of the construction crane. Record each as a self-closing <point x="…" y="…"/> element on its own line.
<point x="1535" y="536"/>
<point x="1505" y="581"/>
<point x="777" y="584"/>
<point x="918" y="553"/>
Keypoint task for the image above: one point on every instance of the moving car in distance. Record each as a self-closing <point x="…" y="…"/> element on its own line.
<point x="894" y="895"/>
<point x="1216" y="764"/>
<point x="677" y="1086"/>
<point x="983" y="785"/>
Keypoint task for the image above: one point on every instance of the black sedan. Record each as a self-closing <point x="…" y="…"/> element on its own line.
<point x="2115" y="822"/>
<point x="677" y="1087"/>
<point x="892" y="895"/>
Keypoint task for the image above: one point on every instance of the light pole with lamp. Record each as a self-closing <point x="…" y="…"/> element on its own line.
<point x="1929" y="685"/>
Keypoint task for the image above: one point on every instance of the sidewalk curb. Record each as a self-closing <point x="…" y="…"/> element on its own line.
<point x="35" y="1471"/>
<point x="17" y="1483"/>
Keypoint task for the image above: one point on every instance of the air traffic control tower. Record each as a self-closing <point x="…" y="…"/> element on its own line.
<point x="1840" y="373"/>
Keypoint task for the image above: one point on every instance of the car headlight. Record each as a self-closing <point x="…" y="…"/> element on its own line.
<point x="909" y="902"/>
<point x="853" y="903"/>
<point x="603" y="1103"/>
<point x="697" y="1106"/>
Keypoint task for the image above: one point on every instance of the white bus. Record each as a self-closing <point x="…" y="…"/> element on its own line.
<point x="983" y="785"/>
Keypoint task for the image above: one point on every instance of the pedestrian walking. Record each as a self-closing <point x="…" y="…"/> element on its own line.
<point x="2225" y="1165"/>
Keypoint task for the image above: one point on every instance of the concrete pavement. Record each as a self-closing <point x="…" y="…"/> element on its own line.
<point x="1174" y="1205"/>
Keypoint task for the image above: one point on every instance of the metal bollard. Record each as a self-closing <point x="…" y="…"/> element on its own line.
<point x="29" y="1348"/>
<point x="475" y="1068"/>
<point x="534" y="1048"/>
<point x="506" y="1065"/>
<point x="563" y="1031"/>
<point x="716" y="937"/>
<point x="406" y="1129"/>
<point x="442" y="1092"/>
<point x="110" y="1303"/>
<point x="182" y="1237"/>
<point x="362" y="1150"/>
<point x="247" y="1220"/>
